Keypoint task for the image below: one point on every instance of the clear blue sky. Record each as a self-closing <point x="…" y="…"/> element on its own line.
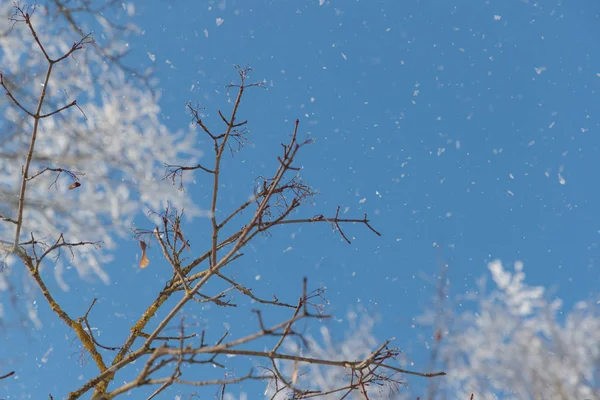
<point x="473" y="125"/>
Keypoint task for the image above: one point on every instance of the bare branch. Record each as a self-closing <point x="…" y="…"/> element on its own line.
<point x="174" y="172"/>
<point x="24" y="15"/>
<point x="11" y="373"/>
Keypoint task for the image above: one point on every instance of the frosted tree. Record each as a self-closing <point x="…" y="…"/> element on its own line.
<point x="87" y="156"/>
<point x="114" y="148"/>
<point x="514" y="343"/>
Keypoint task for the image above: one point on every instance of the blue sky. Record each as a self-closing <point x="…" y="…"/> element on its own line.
<point x="471" y="125"/>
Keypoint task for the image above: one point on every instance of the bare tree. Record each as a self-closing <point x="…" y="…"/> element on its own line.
<point x="197" y="279"/>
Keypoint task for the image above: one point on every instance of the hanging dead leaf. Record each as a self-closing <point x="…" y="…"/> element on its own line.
<point x="74" y="185"/>
<point x="144" y="261"/>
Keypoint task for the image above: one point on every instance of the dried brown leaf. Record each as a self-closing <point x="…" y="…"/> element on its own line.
<point x="144" y="261"/>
